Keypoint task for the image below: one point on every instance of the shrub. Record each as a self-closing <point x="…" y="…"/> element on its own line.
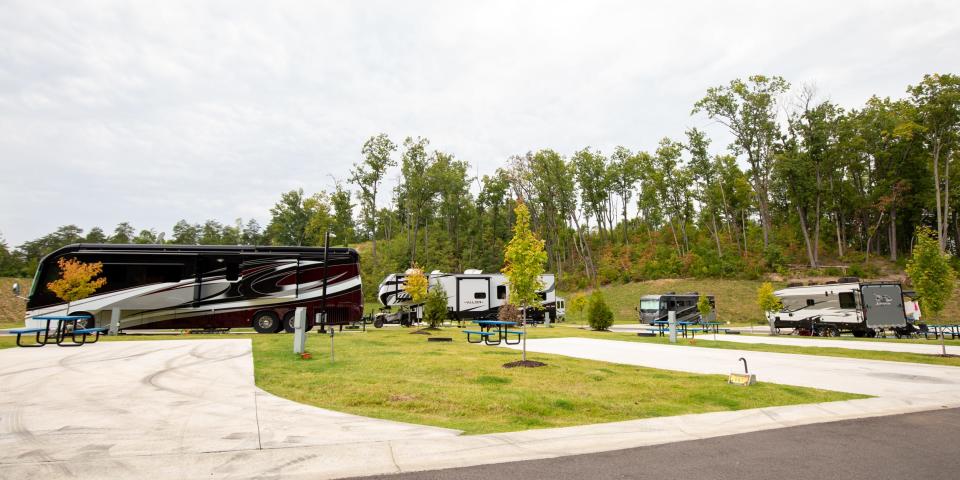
<point x="508" y="313"/>
<point x="435" y="308"/>
<point x="599" y="315"/>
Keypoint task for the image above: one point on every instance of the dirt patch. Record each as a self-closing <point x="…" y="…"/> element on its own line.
<point x="419" y="332"/>
<point x="524" y="363"/>
<point x="399" y="397"/>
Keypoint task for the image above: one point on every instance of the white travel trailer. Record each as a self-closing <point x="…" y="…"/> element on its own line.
<point x="862" y="308"/>
<point x="470" y="295"/>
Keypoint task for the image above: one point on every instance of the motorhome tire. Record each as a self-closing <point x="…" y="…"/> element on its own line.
<point x="288" y="319"/>
<point x="265" y="321"/>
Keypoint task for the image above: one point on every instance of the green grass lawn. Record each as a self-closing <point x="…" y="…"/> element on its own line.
<point x="395" y="375"/>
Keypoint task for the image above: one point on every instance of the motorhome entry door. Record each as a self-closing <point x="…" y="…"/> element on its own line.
<point x="473" y="294"/>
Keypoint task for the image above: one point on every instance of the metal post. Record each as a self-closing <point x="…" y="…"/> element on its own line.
<point x="323" y="299"/>
<point x="332" y="357"/>
<point x="114" y="321"/>
<point x="300" y="330"/>
<point x="672" y="321"/>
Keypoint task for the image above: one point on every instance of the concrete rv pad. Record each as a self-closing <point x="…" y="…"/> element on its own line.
<point x="189" y="409"/>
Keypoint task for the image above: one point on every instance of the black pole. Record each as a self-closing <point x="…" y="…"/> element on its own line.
<point x="323" y="299"/>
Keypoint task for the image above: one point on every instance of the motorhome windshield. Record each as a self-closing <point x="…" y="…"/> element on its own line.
<point x="650" y="305"/>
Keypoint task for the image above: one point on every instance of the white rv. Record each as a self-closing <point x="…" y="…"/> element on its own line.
<point x="862" y="308"/>
<point x="470" y="295"/>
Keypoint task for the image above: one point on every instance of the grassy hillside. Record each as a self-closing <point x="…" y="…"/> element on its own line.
<point x="736" y="299"/>
<point x="12" y="308"/>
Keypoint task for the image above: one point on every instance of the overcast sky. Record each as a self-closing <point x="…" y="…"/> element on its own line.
<point x="150" y="112"/>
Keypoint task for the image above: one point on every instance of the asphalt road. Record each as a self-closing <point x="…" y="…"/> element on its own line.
<point x="913" y="446"/>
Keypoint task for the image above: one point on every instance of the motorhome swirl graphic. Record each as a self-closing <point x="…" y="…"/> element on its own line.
<point x="198" y="286"/>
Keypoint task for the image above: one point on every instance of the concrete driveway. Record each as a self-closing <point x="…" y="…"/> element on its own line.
<point x="190" y="410"/>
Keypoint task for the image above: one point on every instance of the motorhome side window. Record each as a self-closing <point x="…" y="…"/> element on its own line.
<point x="847" y="300"/>
<point x="480" y="295"/>
<point x="501" y="292"/>
<point x="232" y="273"/>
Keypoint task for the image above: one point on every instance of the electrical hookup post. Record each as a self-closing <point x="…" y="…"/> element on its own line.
<point x="672" y="323"/>
<point x="299" y="330"/>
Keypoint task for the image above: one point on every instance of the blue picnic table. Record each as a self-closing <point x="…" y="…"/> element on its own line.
<point x="61" y="332"/>
<point x="493" y="332"/>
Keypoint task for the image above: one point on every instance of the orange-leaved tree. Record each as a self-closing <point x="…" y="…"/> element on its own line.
<point x="77" y="280"/>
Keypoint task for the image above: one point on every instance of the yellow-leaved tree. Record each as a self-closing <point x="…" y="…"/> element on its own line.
<point x="77" y="280"/>
<point x="415" y="285"/>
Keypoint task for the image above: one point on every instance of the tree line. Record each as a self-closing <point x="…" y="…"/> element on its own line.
<point x="804" y="181"/>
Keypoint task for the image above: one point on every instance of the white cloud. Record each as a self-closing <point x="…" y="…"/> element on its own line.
<point x="154" y="111"/>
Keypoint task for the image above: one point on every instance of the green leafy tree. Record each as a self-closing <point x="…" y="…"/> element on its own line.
<point x="377" y="158"/>
<point x="524" y="262"/>
<point x="577" y="305"/>
<point x="343" y="225"/>
<point x="185" y="233"/>
<point x="435" y="307"/>
<point x="123" y="233"/>
<point x="290" y="218"/>
<point x="599" y="315"/>
<point x="932" y="277"/>
<point x="704" y="307"/>
<point x="748" y="109"/>
<point x="937" y="98"/>
<point x="96" y="235"/>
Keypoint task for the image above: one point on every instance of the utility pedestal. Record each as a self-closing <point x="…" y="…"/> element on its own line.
<point x="299" y="330"/>
<point x="672" y="322"/>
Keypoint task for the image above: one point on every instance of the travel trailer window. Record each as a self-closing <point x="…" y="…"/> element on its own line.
<point x="542" y="296"/>
<point x="847" y="300"/>
<point x="811" y="302"/>
<point x="501" y="292"/>
<point x="480" y="295"/>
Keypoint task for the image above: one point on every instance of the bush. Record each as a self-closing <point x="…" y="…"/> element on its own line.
<point x="435" y="308"/>
<point x="599" y="315"/>
<point x="509" y="312"/>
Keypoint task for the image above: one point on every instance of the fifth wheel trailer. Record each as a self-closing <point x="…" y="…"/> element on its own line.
<point x="207" y="287"/>
<point x="862" y="308"/>
<point x="470" y="295"/>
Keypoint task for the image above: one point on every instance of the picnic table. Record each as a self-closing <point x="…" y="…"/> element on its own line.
<point x="61" y="332"/>
<point x="493" y="332"/>
<point x="944" y="330"/>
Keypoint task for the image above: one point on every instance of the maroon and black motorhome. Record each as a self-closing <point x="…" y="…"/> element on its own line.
<point x="207" y="286"/>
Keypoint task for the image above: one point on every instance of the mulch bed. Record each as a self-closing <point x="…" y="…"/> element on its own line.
<point x="524" y="363"/>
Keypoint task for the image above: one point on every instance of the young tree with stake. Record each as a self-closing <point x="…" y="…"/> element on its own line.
<point x="933" y="278"/>
<point x="524" y="261"/>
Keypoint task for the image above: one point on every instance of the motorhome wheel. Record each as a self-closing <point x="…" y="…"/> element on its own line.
<point x="266" y="322"/>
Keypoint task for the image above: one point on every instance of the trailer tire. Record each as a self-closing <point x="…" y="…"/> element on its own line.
<point x="265" y="321"/>
<point x="829" y="331"/>
<point x="378" y="323"/>
<point x="859" y="333"/>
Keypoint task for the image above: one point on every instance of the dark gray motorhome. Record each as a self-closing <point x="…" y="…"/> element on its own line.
<point x="655" y="308"/>
<point x="862" y="308"/>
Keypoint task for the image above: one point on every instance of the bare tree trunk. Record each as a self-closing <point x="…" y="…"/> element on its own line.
<point x="743" y="223"/>
<point x="716" y="233"/>
<point x="893" y="234"/>
<point x="676" y="241"/>
<point x="936" y="183"/>
<point x="806" y="236"/>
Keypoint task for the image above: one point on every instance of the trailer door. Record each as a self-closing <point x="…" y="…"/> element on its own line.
<point x="473" y="295"/>
<point x="883" y="305"/>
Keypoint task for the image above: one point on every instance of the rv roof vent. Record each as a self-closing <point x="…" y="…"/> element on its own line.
<point x="831" y="282"/>
<point x="670" y="293"/>
<point x="436" y="272"/>
<point x="692" y="293"/>
<point x="848" y="280"/>
<point x="472" y="271"/>
<point x="794" y="284"/>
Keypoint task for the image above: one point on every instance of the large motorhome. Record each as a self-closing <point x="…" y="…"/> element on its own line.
<point x="470" y="295"/>
<point x="862" y="308"/>
<point x="206" y="287"/>
<point x="655" y="308"/>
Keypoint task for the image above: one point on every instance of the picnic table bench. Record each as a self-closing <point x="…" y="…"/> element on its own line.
<point x="60" y="332"/>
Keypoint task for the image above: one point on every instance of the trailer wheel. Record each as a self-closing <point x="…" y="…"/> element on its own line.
<point x="859" y="333"/>
<point x="830" y="331"/>
<point x="266" y="321"/>
<point x="378" y="322"/>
